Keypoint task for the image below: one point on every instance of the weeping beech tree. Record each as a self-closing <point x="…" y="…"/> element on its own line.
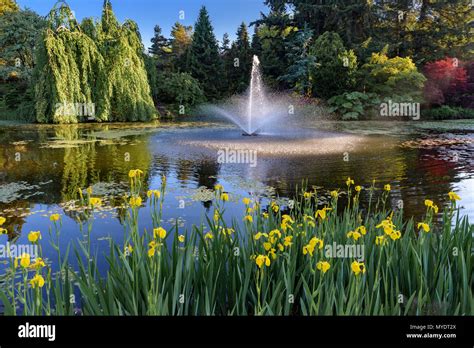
<point x="99" y="64"/>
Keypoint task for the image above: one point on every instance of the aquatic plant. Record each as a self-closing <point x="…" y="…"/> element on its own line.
<point x="309" y="259"/>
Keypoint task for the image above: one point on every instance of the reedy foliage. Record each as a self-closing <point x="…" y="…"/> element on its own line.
<point x="217" y="270"/>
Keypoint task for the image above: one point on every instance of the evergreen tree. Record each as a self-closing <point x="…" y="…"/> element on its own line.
<point x="159" y="42"/>
<point x="302" y="62"/>
<point x="256" y="45"/>
<point x="273" y="32"/>
<point x="334" y="72"/>
<point x="241" y="58"/>
<point x="225" y="45"/>
<point x="180" y="42"/>
<point x="227" y="63"/>
<point x="204" y="60"/>
<point x="160" y="50"/>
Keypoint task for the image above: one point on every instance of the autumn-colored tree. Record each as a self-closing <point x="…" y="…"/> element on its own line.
<point x="447" y="81"/>
<point x="181" y="38"/>
<point x="8" y="6"/>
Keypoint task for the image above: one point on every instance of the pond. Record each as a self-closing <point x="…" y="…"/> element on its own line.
<point x="42" y="167"/>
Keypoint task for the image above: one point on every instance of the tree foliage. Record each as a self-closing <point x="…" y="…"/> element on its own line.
<point x="447" y="82"/>
<point x="181" y="38"/>
<point x="204" y="60"/>
<point x="180" y="89"/>
<point x="392" y="77"/>
<point x="302" y="63"/>
<point x="240" y="59"/>
<point x="335" y="66"/>
<point x="8" y="6"/>
<point x="102" y="65"/>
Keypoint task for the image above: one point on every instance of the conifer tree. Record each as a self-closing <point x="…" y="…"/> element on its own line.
<point x="180" y="42"/>
<point x="239" y="73"/>
<point x="204" y="60"/>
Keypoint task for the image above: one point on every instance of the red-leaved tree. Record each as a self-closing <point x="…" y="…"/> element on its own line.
<point x="446" y="82"/>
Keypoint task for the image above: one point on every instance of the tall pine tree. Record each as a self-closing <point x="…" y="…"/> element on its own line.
<point x="204" y="60"/>
<point x="241" y="56"/>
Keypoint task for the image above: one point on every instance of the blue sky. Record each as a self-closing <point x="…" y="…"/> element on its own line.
<point x="226" y="15"/>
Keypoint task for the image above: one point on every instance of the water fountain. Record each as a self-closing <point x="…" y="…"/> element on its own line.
<point x="282" y="133"/>
<point x="254" y="111"/>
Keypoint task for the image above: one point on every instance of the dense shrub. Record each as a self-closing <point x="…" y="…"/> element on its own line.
<point x="353" y="105"/>
<point x="446" y="112"/>
<point x="334" y="72"/>
<point x="179" y="89"/>
<point x="390" y="77"/>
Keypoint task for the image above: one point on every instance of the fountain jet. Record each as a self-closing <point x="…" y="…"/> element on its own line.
<point x="253" y="111"/>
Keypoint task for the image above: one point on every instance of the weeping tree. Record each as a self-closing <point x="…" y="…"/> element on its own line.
<point x="92" y="71"/>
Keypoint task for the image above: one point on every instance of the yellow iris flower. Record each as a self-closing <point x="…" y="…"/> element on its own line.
<point x="323" y="266"/>
<point x="452" y="196"/>
<point x="159" y="232"/>
<point x="37" y="281"/>
<point x="34" y="236"/>
<point x="424" y="226"/>
<point x="358" y="268"/>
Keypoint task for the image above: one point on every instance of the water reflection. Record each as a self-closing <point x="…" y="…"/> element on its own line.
<point x="43" y="166"/>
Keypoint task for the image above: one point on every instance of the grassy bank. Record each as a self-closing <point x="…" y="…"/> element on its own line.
<point x="274" y="261"/>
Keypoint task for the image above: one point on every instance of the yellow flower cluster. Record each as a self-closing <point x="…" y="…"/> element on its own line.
<point x="37" y="281"/>
<point x="431" y="206"/>
<point x="135" y="201"/>
<point x="274" y="207"/>
<point x="55" y="217"/>
<point x="389" y="229"/>
<point x="309" y="248"/>
<point x="38" y="264"/>
<point x="357" y="233"/>
<point x="135" y="173"/>
<point x="152" y="247"/>
<point x="261" y="260"/>
<point x="25" y="260"/>
<point x="248" y="218"/>
<point x="154" y="193"/>
<point x="286" y="222"/>
<point x="159" y="233"/>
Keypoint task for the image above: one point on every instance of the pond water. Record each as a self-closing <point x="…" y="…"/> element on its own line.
<point x="41" y="167"/>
